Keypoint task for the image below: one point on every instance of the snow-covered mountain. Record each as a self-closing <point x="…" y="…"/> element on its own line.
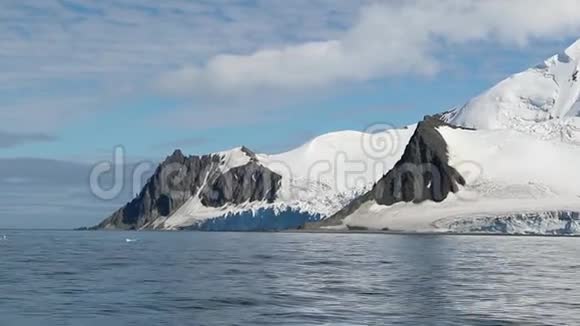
<point x="241" y="190"/>
<point x="542" y="100"/>
<point x="504" y="162"/>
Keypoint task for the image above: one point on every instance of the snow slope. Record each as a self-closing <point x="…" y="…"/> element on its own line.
<point x="516" y="183"/>
<point x="520" y="161"/>
<point x="537" y="100"/>
<point x="318" y="178"/>
<point x="233" y="158"/>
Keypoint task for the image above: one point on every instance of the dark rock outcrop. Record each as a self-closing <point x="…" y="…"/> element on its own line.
<point x="423" y="173"/>
<point x="180" y="177"/>
<point x="247" y="183"/>
<point x="249" y="153"/>
<point x="174" y="181"/>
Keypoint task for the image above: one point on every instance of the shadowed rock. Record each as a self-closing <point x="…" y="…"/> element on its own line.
<point x="179" y="178"/>
<point x="423" y="173"/>
<point x="247" y="183"/>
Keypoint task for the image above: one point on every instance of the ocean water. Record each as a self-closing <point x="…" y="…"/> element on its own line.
<point x="192" y="278"/>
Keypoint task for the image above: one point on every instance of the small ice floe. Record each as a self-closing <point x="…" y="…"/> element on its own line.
<point x="130" y="240"/>
<point x="3" y="238"/>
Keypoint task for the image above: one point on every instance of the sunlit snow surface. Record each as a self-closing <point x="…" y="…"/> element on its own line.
<point x="546" y="93"/>
<point x="509" y="175"/>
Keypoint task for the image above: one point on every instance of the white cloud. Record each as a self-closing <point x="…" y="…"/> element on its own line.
<point x="114" y="49"/>
<point x="117" y="48"/>
<point x="389" y="38"/>
<point x="53" y="39"/>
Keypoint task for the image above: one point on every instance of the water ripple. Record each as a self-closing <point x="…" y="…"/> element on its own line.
<point x="95" y="278"/>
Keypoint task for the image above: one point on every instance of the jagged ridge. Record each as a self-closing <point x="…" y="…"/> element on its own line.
<point x="179" y="178"/>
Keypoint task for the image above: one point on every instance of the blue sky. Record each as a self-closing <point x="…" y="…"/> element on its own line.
<point x="80" y="77"/>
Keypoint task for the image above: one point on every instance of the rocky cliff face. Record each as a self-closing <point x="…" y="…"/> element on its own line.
<point x="422" y="173"/>
<point x="179" y="178"/>
<point x="247" y="183"/>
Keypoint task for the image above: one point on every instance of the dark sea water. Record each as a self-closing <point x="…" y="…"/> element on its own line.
<point x="97" y="278"/>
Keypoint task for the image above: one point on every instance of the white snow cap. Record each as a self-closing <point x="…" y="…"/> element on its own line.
<point x="548" y="93"/>
<point x="573" y="51"/>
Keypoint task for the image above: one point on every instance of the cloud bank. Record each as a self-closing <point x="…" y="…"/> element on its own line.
<point x="55" y="51"/>
<point x="8" y="139"/>
<point x="64" y="61"/>
<point x="389" y="38"/>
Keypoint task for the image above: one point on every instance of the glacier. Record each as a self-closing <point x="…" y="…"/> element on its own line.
<point x="262" y="219"/>
<point x="528" y="223"/>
